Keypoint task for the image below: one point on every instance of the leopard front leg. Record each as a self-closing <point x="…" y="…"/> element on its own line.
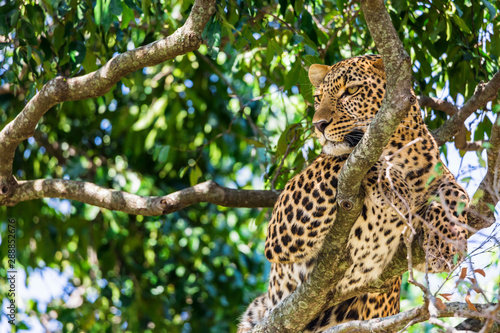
<point x="444" y="227"/>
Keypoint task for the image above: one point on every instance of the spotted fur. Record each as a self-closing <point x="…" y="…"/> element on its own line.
<point x="408" y="186"/>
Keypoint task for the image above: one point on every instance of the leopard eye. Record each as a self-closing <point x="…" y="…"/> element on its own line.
<point x="352" y="90"/>
<point x="317" y="98"/>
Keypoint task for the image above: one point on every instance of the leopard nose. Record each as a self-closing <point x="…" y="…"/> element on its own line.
<point x="322" y="125"/>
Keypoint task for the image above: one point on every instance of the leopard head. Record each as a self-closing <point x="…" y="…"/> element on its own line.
<point x="347" y="97"/>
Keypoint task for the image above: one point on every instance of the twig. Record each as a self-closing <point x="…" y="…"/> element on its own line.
<point x="482" y="95"/>
<point x="276" y="17"/>
<point x="451" y="109"/>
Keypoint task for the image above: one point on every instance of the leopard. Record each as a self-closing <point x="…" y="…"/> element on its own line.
<point x="408" y="188"/>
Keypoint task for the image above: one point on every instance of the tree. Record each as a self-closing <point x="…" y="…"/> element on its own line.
<point x="119" y="142"/>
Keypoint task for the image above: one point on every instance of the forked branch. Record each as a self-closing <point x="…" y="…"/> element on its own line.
<point x="484" y="93"/>
<point x="60" y="89"/>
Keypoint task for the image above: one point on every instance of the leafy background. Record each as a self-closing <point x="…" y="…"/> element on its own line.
<point x="237" y="111"/>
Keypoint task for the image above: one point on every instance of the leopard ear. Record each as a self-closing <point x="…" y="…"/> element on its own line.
<point x="378" y="67"/>
<point x="317" y="73"/>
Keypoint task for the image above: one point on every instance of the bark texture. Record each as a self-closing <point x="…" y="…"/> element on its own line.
<point x="297" y="310"/>
<point x="95" y="195"/>
<point x="418" y="314"/>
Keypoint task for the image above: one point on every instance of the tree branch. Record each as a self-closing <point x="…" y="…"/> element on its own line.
<point x="395" y="106"/>
<point x="416" y="315"/>
<point x="437" y="104"/>
<point x="303" y="305"/>
<point x="483" y="94"/>
<point x="480" y="212"/>
<point x="92" y="194"/>
<point x="451" y="109"/>
<point x="60" y="89"/>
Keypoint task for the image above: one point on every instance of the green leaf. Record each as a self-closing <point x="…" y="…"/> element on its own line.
<point x="449" y="29"/>
<point x="132" y="4"/>
<point x="297" y="39"/>
<point x="305" y="86"/>
<point x="463" y="26"/>
<point x="214" y="40"/>
<point x="102" y="14"/>
<point x="255" y="143"/>
<point x="298" y="6"/>
<point x="307" y="25"/>
<point x="495" y="42"/>
<point x="115" y="7"/>
<point x="293" y="76"/>
<point x="90" y="62"/>
<point x="460" y="207"/>
<point x="152" y="113"/>
<point x="228" y="32"/>
<point x="162" y="157"/>
<point x="340" y="5"/>
<point x="486" y="145"/>
<point x="492" y="10"/>
<point x="459" y="11"/>
<point x="127" y="16"/>
<point x="270" y="51"/>
<point x="400" y="6"/>
<point x="28" y="33"/>
<point x="480" y="159"/>
<point x="491" y="207"/>
<point x="284" y="139"/>
<point x="98" y="11"/>
<point x="194" y="175"/>
<point x="150" y="139"/>
<point x="466" y="179"/>
<point x="310" y="51"/>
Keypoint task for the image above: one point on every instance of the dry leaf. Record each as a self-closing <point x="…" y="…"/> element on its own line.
<point x="480" y="271"/>
<point x="463" y="273"/>
<point x="446" y="296"/>
<point x="474" y="282"/>
<point x="469" y="303"/>
<point x="440" y="304"/>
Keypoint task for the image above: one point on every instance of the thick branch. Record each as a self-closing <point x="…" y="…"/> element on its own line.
<point x="416" y="315"/>
<point x="451" y="109"/>
<point x="295" y="311"/>
<point x="92" y="194"/>
<point x="395" y="106"/>
<point x="483" y="94"/>
<point x="183" y="40"/>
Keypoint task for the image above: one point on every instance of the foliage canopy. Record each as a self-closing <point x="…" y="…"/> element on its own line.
<point x="237" y="111"/>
